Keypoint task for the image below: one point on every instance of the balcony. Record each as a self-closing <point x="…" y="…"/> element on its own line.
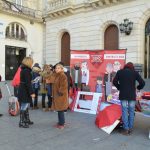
<point x="103" y="3"/>
<point x="15" y="9"/>
<point x="59" y="4"/>
<point x="59" y="8"/>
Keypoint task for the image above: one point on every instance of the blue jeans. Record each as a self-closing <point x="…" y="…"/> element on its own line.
<point x="24" y="106"/>
<point x="128" y="107"/>
<point x="61" y="118"/>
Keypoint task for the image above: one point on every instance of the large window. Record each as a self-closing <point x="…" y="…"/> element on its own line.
<point x="15" y="31"/>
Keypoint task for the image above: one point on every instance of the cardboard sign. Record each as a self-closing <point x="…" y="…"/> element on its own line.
<point x="94" y="70"/>
<point x="89" y="104"/>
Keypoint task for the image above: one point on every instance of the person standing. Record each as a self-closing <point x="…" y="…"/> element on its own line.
<point x="59" y="94"/>
<point x="125" y="82"/>
<point x="25" y="92"/>
<point x="46" y="89"/>
<point x="35" y="85"/>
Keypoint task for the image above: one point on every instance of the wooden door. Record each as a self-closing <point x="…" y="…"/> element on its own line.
<point x="65" y="49"/>
<point x="111" y="38"/>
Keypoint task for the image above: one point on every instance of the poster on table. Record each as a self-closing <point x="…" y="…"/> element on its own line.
<point x="93" y="71"/>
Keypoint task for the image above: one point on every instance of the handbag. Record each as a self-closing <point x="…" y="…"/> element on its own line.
<point x="0" y="93"/>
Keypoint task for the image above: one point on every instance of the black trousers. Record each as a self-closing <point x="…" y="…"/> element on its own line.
<point x="61" y="118"/>
<point x="49" y="103"/>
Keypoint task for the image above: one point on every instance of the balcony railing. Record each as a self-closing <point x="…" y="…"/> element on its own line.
<point x="59" y="4"/>
<point x="6" y="5"/>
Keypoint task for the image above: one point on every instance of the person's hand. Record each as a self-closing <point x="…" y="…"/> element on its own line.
<point x="33" y="95"/>
<point x="47" y="81"/>
<point x="60" y="94"/>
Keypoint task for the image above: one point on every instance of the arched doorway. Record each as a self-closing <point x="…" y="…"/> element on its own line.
<point x="14" y="54"/>
<point x="111" y="38"/>
<point x="147" y="51"/>
<point x="65" y="49"/>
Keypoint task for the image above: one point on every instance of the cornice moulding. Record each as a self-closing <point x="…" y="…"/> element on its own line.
<point x="70" y="8"/>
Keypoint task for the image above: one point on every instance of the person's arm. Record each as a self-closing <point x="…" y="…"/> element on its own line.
<point x="116" y="81"/>
<point x="140" y="81"/>
<point x="28" y="78"/>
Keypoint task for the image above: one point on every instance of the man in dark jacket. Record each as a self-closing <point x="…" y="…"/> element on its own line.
<point x="125" y="82"/>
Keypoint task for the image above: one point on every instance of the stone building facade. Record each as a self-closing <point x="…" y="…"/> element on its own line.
<point x="21" y="34"/>
<point x="96" y="24"/>
<point x="48" y="29"/>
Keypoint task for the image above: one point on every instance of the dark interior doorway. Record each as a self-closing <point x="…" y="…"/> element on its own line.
<point x="13" y="58"/>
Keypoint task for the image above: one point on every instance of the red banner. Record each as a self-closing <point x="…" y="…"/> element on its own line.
<point x="91" y="69"/>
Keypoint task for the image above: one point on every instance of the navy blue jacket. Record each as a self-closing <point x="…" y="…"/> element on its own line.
<point x="35" y="85"/>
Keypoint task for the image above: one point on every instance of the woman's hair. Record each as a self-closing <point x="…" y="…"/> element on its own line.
<point x="46" y="66"/>
<point x="60" y="66"/>
<point x="129" y="65"/>
<point x="27" y="61"/>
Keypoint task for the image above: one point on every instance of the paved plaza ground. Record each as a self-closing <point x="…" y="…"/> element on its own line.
<point x="81" y="134"/>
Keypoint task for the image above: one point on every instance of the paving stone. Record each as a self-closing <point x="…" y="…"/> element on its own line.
<point x="81" y="133"/>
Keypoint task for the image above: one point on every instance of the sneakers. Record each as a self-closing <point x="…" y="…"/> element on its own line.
<point x="59" y="126"/>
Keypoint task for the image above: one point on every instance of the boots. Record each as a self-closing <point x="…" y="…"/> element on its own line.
<point x="23" y="123"/>
<point x="28" y="118"/>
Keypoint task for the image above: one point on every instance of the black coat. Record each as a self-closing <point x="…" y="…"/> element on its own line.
<point x="25" y="87"/>
<point x="125" y="82"/>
